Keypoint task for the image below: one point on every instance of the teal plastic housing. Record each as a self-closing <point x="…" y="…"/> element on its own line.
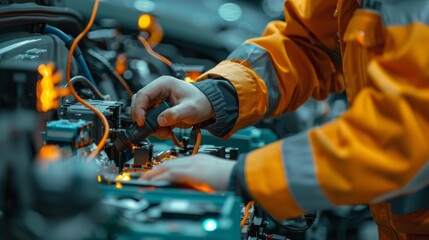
<point x="225" y="226"/>
<point x="246" y="140"/>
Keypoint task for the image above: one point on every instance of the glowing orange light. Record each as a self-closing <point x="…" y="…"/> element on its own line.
<point x="202" y="187"/>
<point x="121" y="63"/>
<point x="126" y="176"/>
<point x="188" y="79"/>
<point x="145" y="21"/>
<point x="47" y="95"/>
<point x="123" y="177"/>
<point x="49" y="153"/>
<point x="99" y="178"/>
<point x="193" y="74"/>
<point x="118" y="185"/>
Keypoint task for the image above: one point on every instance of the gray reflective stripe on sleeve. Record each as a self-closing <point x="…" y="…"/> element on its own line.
<point x="396" y="12"/>
<point x="419" y="181"/>
<point x="410" y="203"/>
<point x="301" y="174"/>
<point x="261" y="63"/>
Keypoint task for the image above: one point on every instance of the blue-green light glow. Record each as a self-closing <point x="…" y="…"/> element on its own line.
<point x="210" y="225"/>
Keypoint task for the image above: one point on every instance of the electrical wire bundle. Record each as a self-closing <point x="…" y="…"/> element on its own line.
<point x="73" y="46"/>
<point x="88" y="81"/>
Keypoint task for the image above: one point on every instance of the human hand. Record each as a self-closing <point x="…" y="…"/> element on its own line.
<point x="197" y="170"/>
<point x="189" y="105"/>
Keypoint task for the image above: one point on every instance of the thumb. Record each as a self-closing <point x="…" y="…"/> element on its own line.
<point x="177" y="114"/>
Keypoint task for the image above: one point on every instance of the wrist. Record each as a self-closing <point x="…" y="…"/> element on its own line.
<point x="224" y="105"/>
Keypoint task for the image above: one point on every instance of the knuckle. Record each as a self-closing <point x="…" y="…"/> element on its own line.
<point x="174" y="175"/>
<point x="139" y="92"/>
<point x="191" y="107"/>
<point x="174" y="113"/>
<point x="165" y="79"/>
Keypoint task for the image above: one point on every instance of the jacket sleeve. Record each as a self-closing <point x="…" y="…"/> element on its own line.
<point x="291" y="62"/>
<point x="376" y="151"/>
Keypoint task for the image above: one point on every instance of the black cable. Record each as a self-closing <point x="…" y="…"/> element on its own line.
<point x="101" y="59"/>
<point x="310" y="218"/>
<point x="111" y="69"/>
<point x="68" y="41"/>
<point x="87" y="83"/>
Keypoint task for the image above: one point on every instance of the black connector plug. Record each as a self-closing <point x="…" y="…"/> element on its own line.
<point x="135" y="134"/>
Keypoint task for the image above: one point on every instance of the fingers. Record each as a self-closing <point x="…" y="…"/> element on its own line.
<point x="139" y="105"/>
<point x="147" y="97"/>
<point x="163" y="133"/>
<point x="155" y="172"/>
<point x="174" y="173"/>
<point x="203" y="171"/>
<point x="165" y="176"/>
<point x="185" y="110"/>
<point x="169" y="167"/>
<point x="190" y="105"/>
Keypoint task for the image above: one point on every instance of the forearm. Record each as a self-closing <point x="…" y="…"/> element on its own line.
<point x="288" y="64"/>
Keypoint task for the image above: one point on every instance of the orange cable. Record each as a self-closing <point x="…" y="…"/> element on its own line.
<point x="175" y="140"/>
<point x="246" y="213"/>
<point x="153" y="53"/>
<point x="197" y="140"/>
<point x="103" y="140"/>
<point x="124" y="84"/>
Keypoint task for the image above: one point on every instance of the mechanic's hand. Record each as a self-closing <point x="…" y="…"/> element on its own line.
<point x="189" y="105"/>
<point x="196" y="170"/>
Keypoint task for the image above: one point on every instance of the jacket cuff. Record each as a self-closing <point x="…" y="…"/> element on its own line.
<point x="251" y="92"/>
<point x="237" y="182"/>
<point x="223" y="99"/>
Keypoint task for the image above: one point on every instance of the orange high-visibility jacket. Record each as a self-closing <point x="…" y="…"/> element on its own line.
<point x="377" y="152"/>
